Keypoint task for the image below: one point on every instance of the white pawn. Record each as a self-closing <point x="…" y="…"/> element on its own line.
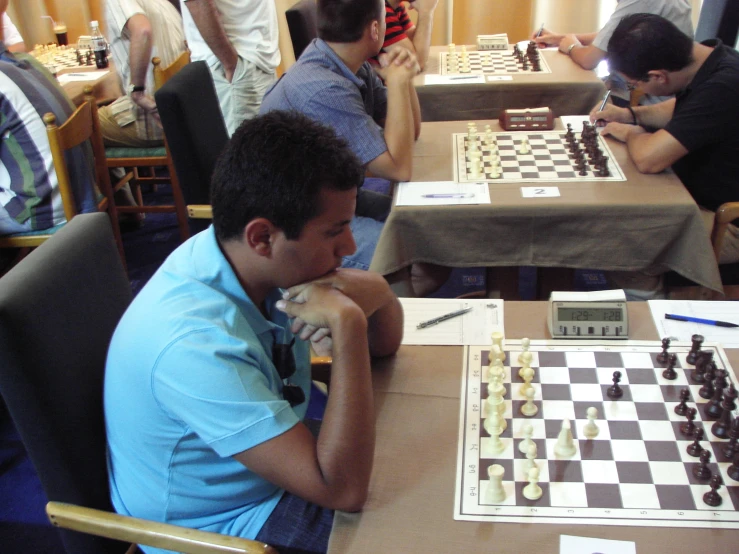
<point x="495" y="385"/>
<point x="565" y="447"/>
<point x="496" y="336"/>
<point x="496" y="404"/>
<point x="530" y="409"/>
<point x="527" y="430"/>
<point x="493" y="427"/>
<point x="531" y="457"/>
<point x="476" y="172"/>
<point x="495" y="492"/>
<point x="525" y="359"/>
<point x="496" y="353"/>
<point x="494" y="171"/>
<point x="590" y="430"/>
<point x="525" y="343"/>
<point x="527" y="376"/>
<point x="496" y="369"/>
<point x="524" y="149"/>
<point x="533" y="491"/>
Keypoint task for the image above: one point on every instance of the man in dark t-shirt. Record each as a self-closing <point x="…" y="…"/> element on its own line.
<point x="694" y="133"/>
<point x="401" y="31"/>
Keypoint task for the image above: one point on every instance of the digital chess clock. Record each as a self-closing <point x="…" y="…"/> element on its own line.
<point x="534" y="119"/>
<point x="588" y="315"/>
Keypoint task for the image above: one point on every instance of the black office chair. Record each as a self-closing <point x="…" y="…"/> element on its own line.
<point x="195" y="130"/>
<point x="718" y="19"/>
<point x="302" y="21"/>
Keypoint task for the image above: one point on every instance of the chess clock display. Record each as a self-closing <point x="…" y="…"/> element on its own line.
<point x="534" y="119"/>
<point x="584" y="315"/>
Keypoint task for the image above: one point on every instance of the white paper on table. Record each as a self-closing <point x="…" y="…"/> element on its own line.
<point x="569" y="544"/>
<point x="492" y="78"/>
<point x="539" y="192"/>
<point x="441" y="193"/>
<point x="83" y="76"/>
<point x="683" y="330"/>
<point x="575" y="120"/>
<point x="474" y="327"/>
<point x="434" y="79"/>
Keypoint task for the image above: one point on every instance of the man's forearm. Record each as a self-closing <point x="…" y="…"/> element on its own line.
<point x="422" y="37"/>
<point x="385" y="328"/>
<point x="207" y="19"/>
<point x="400" y="125"/>
<point x="655" y="115"/>
<point x="346" y="442"/>
<point x="586" y="38"/>
<point x="139" y="56"/>
<point x="415" y="109"/>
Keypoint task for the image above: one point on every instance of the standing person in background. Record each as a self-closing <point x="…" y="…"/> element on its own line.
<point x="589" y="49"/>
<point x="138" y="30"/>
<point x="238" y="40"/>
<point x="400" y="30"/>
<point x="13" y="39"/>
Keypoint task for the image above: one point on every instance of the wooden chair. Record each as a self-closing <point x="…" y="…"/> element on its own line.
<point x="58" y="309"/>
<point x="133" y="159"/>
<point x="81" y="126"/>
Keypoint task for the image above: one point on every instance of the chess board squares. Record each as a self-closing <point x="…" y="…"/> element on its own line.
<point x="553" y="359"/>
<point x="717" y="447"/>
<point x="568" y="494"/>
<point x="580" y="359"/>
<point x="552" y="375"/>
<point x="543" y="502"/>
<point x="637" y="360"/>
<point x="554" y="411"/>
<point x="698" y="492"/>
<point x="551" y="456"/>
<point x="618" y="410"/>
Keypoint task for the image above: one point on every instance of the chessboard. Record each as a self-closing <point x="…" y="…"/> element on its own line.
<point x="636" y="471"/>
<point x="549" y="157"/>
<point x="492" y="62"/>
<point x="56" y="57"/>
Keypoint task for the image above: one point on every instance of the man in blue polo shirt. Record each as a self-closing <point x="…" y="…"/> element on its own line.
<point x="208" y="377"/>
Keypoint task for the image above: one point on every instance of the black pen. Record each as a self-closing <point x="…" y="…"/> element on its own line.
<point x="540" y="31"/>
<point x="602" y="122"/>
<point x="700" y="320"/>
<point x="441" y="318"/>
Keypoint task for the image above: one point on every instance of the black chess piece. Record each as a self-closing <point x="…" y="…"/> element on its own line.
<point x="670" y="372"/>
<point x="681" y="408"/>
<point x="702" y="471"/>
<point x="707" y="390"/>
<point x="731" y="447"/>
<point x="662" y="356"/>
<point x="698" y="375"/>
<point x="722" y="427"/>
<point x="615" y="391"/>
<point x="731" y="393"/>
<point x="712" y="497"/>
<point x="733" y="470"/>
<point x="695" y="449"/>
<point x="697" y="343"/>
<point x="688" y="427"/>
<point x="713" y="408"/>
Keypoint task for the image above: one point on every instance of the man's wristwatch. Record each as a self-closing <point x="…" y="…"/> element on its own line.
<point x="135" y="88"/>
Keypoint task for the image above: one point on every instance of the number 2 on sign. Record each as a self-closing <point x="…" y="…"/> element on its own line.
<point x="539" y="192"/>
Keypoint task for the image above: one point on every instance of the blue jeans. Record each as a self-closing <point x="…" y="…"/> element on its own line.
<point x="297" y="527"/>
<point x="372" y="210"/>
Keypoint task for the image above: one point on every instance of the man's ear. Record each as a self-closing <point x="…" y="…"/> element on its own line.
<point x="375" y="30"/>
<point x="661" y="76"/>
<point x="259" y="235"/>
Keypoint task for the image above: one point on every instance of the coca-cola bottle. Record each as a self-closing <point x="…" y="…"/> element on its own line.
<point x="99" y="46"/>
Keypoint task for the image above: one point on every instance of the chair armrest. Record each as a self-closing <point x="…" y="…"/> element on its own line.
<point x="725" y="214"/>
<point x="200" y="211"/>
<point x="150" y="533"/>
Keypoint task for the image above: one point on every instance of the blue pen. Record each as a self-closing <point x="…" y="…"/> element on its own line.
<point x="449" y="195"/>
<point x="700" y="320"/>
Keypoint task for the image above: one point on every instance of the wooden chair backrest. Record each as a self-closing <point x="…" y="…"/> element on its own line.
<point x="163" y="74"/>
<point x="82" y="125"/>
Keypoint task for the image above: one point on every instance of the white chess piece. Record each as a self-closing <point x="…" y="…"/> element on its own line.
<point x="565" y="447"/>
<point x="531" y="457"/>
<point x="530" y="409"/>
<point x="525" y="343"/>
<point x="495" y="384"/>
<point x="524" y="149"/>
<point x="525" y="359"/>
<point x="590" y="430"/>
<point x="494" y="403"/>
<point x="527" y="376"/>
<point x="495" y="493"/>
<point x="493" y="427"/>
<point x="533" y="491"/>
<point x="527" y="430"/>
<point x="496" y="368"/>
<point x="496" y="337"/>
<point x="494" y="171"/>
<point x="496" y="353"/>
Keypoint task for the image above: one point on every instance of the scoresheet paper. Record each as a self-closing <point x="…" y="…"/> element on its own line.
<point x="442" y="193"/>
<point x="569" y="544"/>
<point x="473" y="327"/>
<point x="728" y="337"/>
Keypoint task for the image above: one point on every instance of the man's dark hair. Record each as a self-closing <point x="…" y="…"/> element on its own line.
<point x="275" y="166"/>
<point x="346" y="20"/>
<point x="644" y="42"/>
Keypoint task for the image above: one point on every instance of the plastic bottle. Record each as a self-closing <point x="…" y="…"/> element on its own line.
<point x="99" y="46"/>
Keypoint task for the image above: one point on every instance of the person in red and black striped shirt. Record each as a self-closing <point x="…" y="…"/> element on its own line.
<point x="402" y="32"/>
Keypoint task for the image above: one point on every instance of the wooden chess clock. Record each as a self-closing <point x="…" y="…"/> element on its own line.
<point x="588" y="315"/>
<point x="528" y="119"/>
